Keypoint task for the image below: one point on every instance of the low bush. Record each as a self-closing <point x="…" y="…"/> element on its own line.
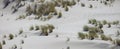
<point x="59" y="15"/>
<point x="115" y="23"/>
<point x="20" y="31"/>
<point x="117" y="42"/>
<point x="37" y="27"/>
<point x="104" y="22"/>
<point x="90" y="6"/>
<point x="68" y="47"/>
<point x="50" y="28"/>
<point x="0" y="46"/>
<point x="94" y="21"/>
<point x="81" y="35"/>
<point x="82" y="4"/>
<point x="100" y="26"/>
<point x="44" y="30"/>
<point x="90" y="21"/>
<point x="109" y="25"/>
<point x="92" y="35"/>
<point x="85" y="28"/>
<point x="118" y="33"/>
<point x="21" y="17"/>
<point x="66" y="8"/>
<point x="3" y="42"/>
<point x="31" y="28"/>
<point x="22" y="41"/>
<point x="103" y="37"/>
<point x="11" y="36"/>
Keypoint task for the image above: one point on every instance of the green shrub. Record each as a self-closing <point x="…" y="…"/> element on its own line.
<point x="115" y="22"/>
<point x="94" y="21"/>
<point x="55" y="13"/>
<point x="0" y="46"/>
<point x="83" y="5"/>
<point x="94" y="29"/>
<point x="29" y="10"/>
<point x="66" y="8"/>
<point x="31" y="28"/>
<point x="109" y="25"/>
<point x="20" y="32"/>
<point x="22" y="41"/>
<point x="78" y="0"/>
<point x="50" y="27"/>
<point x="103" y="37"/>
<point x="21" y="17"/>
<point x="118" y="33"/>
<point x="104" y="22"/>
<point x="51" y="7"/>
<point x="100" y="26"/>
<point x="81" y="35"/>
<point x="59" y="15"/>
<point x="90" y="21"/>
<point x="92" y="35"/>
<point x="44" y="30"/>
<point x="49" y="16"/>
<point x="68" y="47"/>
<point x="37" y="27"/>
<point x="68" y="39"/>
<point x="105" y="3"/>
<point x="3" y="42"/>
<point x="109" y="38"/>
<point x="11" y="36"/>
<point x="91" y="6"/>
<point x="4" y="36"/>
<point x="57" y="35"/>
<point x="42" y="1"/>
<point x="118" y="42"/>
<point x="14" y="47"/>
<point x="85" y="28"/>
<point x="101" y="31"/>
<point x="96" y="24"/>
